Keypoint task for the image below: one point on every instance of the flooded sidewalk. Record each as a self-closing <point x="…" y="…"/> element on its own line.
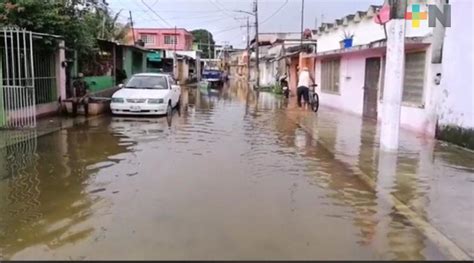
<point x="235" y="175"/>
<point x="429" y="182"/>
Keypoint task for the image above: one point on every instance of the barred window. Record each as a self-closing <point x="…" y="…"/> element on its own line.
<point x="414" y="77"/>
<point x="170" y="39"/>
<point x="413" y="86"/>
<point x="147" y="38"/>
<point x="330" y="75"/>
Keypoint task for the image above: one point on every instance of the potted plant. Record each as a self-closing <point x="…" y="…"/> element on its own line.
<point x="347" y="39"/>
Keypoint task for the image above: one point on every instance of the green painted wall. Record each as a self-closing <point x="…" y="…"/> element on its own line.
<point x="127" y="61"/>
<point x="101" y="83"/>
<point x="134" y="61"/>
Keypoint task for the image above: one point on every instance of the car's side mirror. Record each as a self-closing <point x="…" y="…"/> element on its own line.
<point x="120" y="85"/>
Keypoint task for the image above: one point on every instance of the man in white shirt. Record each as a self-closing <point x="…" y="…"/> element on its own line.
<point x="304" y="82"/>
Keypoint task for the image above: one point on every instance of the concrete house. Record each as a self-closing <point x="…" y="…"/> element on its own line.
<point x="281" y="54"/>
<point x="164" y="42"/>
<point x="456" y="91"/>
<point x="163" y="38"/>
<point x="351" y="77"/>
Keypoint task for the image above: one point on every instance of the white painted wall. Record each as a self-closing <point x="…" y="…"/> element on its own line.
<point x="268" y="72"/>
<point x="365" y="32"/>
<point x="418" y="118"/>
<point x="457" y="87"/>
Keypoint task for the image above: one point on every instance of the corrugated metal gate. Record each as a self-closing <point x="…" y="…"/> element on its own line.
<point x="17" y="87"/>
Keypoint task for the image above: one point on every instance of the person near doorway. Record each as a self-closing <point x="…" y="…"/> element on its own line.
<point x="81" y="95"/>
<point x="304" y="82"/>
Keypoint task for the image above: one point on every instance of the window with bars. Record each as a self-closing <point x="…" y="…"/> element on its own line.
<point x="413" y="86"/>
<point x="148" y="38"/>
<point x="171" y="39"/>
<point x="330" y="75"/>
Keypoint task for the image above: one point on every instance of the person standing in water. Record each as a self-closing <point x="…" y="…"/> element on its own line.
<point x="304" y="82"/>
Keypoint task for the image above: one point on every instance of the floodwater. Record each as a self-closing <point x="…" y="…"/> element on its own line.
<point x="226" y="178"/>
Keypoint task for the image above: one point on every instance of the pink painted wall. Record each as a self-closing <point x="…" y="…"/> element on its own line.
<point x="293" y="74"/>
<point x="351" y="95"/>
<point x="351" y="81"/>
<point x="184" y="43"/>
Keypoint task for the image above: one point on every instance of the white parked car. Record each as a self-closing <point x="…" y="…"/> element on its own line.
<point x="146" y="94"/>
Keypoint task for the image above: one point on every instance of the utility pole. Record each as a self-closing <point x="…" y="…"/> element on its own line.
<point x="394" y="76"/>
<point x="255" y="10"/>
<point x="302" y="22"/>
<point x="209" y="45"/>
<point x="175" y="65"/>
<point x="248" y="49"/>
<point x="133" y="29"/>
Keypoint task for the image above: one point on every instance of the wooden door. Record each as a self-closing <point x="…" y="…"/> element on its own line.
<point x="372" y="75"/>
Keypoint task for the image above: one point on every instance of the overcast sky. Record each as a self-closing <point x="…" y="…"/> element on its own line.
<point x="218" y="16"/>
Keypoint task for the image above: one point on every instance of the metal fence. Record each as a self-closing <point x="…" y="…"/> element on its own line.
<point x="17" y="77"/>
<point x="45" y="75"/>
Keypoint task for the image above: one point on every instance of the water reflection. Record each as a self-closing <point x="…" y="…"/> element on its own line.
<point x="352" y="143"/>
<point x="237" y="173"/>
<point x="43" y="197"/>
<point x="416" y="176"/>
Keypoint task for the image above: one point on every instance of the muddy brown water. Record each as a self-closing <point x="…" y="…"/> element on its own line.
<point x="226" y="179"/>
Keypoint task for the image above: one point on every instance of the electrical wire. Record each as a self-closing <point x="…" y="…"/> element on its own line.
<point x="276" y="12"/>
<point x="135" y="19"/>
<point x="223" y="9"/>
<point x="196" y="17"/>
<point x="226" y="30"/>
<point x="157" y="15"/>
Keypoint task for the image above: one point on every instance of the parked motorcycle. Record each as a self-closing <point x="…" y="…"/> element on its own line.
<point x="284" y="86"/>
<point x="286" y="92"/>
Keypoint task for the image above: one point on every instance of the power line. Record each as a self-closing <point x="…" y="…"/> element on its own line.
<point x="153" y="11"/>
<point x="225" y="30"/>
<point x="183" y="11"/>
<point x="206" y="22"/>
<point x="221" y="8"/>
<point x="197" y="17"/>
<point x="146" y="12"/>
<point x="274" y="13"/>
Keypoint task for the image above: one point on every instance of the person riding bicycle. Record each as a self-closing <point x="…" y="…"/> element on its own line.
<point x="304" y="82"/>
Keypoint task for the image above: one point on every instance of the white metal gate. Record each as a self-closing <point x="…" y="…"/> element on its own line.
<point x="17" y="88"/>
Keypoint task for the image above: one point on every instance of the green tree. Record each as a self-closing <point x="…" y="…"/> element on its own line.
<point x="80" y="22"/>
<point x="203" y="38"/>
<point x="105" y="25"/>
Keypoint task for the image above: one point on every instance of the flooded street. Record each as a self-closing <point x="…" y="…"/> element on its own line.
<point x="234" y="175"/>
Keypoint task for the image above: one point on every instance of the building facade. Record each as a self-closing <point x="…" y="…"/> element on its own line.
<point x="456" y="93"/>
<point x="163" y="38"/>
<point x="351" y="75"/>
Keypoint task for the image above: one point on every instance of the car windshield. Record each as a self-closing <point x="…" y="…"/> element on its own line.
<point x="147" y="82"/>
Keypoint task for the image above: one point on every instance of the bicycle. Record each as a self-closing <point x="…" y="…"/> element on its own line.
<point x="314" y="98"/>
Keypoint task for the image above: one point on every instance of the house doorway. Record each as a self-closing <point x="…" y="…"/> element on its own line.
<point x="372" y="75"/>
